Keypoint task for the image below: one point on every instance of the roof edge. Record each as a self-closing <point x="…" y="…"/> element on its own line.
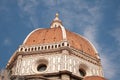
<point x="30" y="34"/>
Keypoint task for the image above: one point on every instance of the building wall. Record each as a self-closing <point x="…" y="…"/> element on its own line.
<point x="55" y="61"/>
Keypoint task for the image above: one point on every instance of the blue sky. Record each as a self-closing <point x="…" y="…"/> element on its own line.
<point x="97" y="20"/>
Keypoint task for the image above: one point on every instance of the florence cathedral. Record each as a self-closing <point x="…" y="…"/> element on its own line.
<point x="55" y="53"/>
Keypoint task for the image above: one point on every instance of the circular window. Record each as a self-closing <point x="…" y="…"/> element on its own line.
<point x="41" y="67"/>
<point x="82" y="72"/>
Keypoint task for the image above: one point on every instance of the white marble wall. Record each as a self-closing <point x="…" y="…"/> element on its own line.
<point x="57" y="61"/>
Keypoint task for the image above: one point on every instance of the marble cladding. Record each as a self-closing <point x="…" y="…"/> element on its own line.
<point x="56" y="61"/>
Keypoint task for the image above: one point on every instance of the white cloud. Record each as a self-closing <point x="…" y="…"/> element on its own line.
<point x="7" y="42"/>
<point x="112" y="57"/>
<point x="118" y="14"/>
<point x="116" y="33"/>
<point x="29" y="7"/>
<point x="91" y="33"/>
<point x="108" y="66"/>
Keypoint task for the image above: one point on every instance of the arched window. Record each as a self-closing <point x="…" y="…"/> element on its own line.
<point x="48" y="47"/>
<point x="52" y="46"/>
<point x="62" y="44"/>
<point x="82" y="72"/>
<point x="67" y="44"/>
<point x="38" y="48"/>
<point x="25" y="49"/>
<point x="55" y="46"/>
<point x="31" y="49"/>
<point x="28" y="49"/>
<point x="35" y="48"/>
<point x="45" y="47"/>
<point x="59" y="45"/>
<point x="21" y="49"/>
<point x="42" y="47"/>
<point x="41" y="67"/>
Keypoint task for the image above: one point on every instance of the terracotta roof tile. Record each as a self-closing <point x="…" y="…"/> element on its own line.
<point x="52" y="35"/>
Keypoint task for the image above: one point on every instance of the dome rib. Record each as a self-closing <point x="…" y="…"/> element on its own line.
<point x="58" y="23"/>
<point x="63" y="33"/>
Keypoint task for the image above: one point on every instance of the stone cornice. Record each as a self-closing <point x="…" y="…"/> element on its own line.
<point x="46" y="75"/>
<point x="51" y="48"/>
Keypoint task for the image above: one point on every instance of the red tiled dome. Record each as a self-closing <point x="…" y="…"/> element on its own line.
<point x="43" y="36"/>
<point x="53" y="35"/>
<point x="58" y="33"/>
